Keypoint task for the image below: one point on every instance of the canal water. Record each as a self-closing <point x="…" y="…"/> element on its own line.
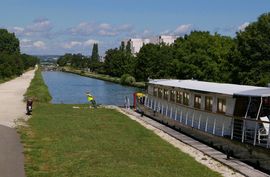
<point x="70" y="89"/>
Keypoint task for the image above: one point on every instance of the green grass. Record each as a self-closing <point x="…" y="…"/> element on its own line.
<point x="38" y="90"/>
<point x="65" y="142"/>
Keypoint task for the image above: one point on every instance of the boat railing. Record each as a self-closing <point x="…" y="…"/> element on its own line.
<point x="246" y="130"/>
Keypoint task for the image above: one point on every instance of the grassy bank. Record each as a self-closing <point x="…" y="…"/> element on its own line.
<point x="101" y="76"/>
<point x="38" y="90"/>
<point x="64" y="141"/>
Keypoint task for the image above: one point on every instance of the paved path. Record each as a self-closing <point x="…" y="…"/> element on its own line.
<point x="12" y="107"/>
<point x="217" y="155"/>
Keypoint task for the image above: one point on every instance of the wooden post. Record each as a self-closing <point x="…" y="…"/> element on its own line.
<point x="167" y="110"/>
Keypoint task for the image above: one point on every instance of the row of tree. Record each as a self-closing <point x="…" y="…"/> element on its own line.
<point x="12" y="62"/>
<point x="244" y="59"/>
<point x="80" y="61"/>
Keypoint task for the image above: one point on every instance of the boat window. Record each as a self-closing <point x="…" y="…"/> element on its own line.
<point x="265" y="107"/>
<point x="241" y="105"/>
<point x="221" y="105"/>
<point x="197" y="101"/>
<point x="155" y="91"/>
<point x="172" y="95"/>
<point x="208" y="103"/>
<point x="186" y="98"/>
<point x="160" y="90"/>
<point x="166" y="94"/>
<point x="179" y="96"/>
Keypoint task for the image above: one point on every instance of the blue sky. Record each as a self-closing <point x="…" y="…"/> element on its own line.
<point x="61" y="26"/>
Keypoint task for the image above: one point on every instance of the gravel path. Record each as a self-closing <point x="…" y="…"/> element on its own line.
<point x="12" y="107"/>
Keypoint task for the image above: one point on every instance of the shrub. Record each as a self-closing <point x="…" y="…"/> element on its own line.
<point x="127" y="79"/>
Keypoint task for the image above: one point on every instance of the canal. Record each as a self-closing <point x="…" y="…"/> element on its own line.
<point x="70" y="88"/>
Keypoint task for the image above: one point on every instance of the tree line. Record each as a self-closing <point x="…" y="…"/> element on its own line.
<point x="12" y="62"/>
<point x="243" y="59"/>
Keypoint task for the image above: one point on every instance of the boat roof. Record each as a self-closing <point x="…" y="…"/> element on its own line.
<point x="221" y="88"/>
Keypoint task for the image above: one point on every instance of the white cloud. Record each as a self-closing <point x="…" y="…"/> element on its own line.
<point x="27" y="43"/>
<point x="77" y="44"/>
<point x="83" y="28"/>
<point x="102" y="29"/>
<point x="39" y="27"/>
<point x="243" y="26"/>
<point x="183" y="29"/>
<point x="105" y="26"/>
<point x="71" y="44"/>
<point x="39" y="44"/>
<point x="90" y="42"/>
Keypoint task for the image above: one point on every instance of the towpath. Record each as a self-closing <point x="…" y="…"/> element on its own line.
<point x="12" y="107"/>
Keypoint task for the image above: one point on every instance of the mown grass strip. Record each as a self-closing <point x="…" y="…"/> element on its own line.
<point x="38" y="90"/>
<point x="62" y="141"/>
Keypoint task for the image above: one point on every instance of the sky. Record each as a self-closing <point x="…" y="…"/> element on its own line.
<point x="48" y="27"/>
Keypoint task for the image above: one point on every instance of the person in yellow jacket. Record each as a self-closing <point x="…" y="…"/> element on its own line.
<point x="91" y="99"/>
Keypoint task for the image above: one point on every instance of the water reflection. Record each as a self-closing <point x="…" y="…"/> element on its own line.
<point x="70" y="89"/>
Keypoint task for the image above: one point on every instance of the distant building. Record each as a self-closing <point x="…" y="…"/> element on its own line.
<point x="137" y="43"/>
<point x="167" y="39"/>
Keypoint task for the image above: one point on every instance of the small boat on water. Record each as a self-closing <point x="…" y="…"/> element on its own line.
<point x="232" y="118"/>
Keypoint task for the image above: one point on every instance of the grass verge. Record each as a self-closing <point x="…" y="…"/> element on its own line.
<point x="62" y="141"/>
<point x="38" y="90"/>
<point x="101" y="76"/>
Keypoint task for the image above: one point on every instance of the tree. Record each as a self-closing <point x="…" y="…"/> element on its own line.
<point x="95" y="55"/>
<point x="8" y="42"/>
<point x="94" y="62"/>
<point x="202" y="56"/>
<point x="253" y="45"/>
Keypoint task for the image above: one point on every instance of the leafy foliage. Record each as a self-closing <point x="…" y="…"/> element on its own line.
<point x="127" y="79"/>
<point x="253" y="47"/>
<point x="12" y="63"/>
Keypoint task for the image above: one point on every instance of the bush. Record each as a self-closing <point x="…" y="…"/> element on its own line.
<point x="127" y="79"/>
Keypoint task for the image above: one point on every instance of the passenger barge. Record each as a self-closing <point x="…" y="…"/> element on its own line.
<point x="233" y="118"/>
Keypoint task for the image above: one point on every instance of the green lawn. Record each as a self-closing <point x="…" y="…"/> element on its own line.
<point x="61" y="141"/>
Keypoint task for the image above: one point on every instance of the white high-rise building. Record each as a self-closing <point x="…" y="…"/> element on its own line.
<point x="167" y="39"/>
<point x="137" y="43"/>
